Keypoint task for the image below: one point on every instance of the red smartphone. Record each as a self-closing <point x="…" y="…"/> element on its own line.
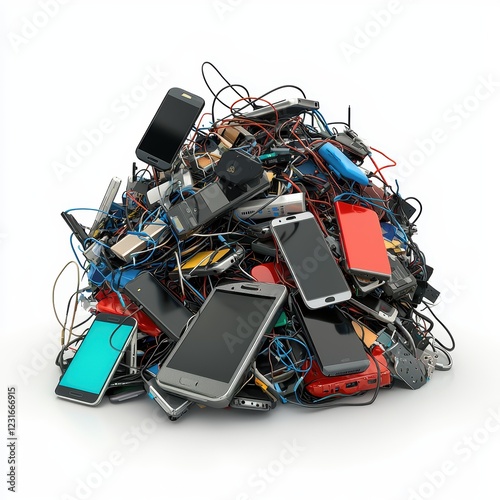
<point x="362" y="241"/>
<point x="319" y="385"/>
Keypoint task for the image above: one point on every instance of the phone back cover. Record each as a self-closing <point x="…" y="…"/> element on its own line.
<point x="362" y="241"/>
<point x="167" y="313"/>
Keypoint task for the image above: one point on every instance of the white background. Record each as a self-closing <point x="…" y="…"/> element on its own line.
<point x="412" y="71"/>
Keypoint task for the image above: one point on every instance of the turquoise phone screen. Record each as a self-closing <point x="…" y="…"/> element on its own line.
<point x="95" y="358"/>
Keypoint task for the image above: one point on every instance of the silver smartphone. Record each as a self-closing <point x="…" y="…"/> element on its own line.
<point x="173" y="406"/>
<point x="315" y="271"/>
<point x="213" y="355"/>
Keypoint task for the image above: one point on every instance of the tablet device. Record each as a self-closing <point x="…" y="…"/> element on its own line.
<point x="214" y="353"/>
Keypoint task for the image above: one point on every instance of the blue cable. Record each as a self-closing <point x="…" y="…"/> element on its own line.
<point x="248" y="222"/>
<point x="96" y="241"/>
<point x="322" y="120"/>
<point x="284" y="356"/>
<point x="186" y="282"/>
<point x="74" y="251"/>
<point x="151" y="214"/>
<point x="290" y="364"/>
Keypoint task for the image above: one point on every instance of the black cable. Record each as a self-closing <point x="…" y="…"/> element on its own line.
<point x="217" y="99"/>
<point x="59" y="358"/>
<point x="251" y="102"/>
<point x="449" y="349"/>
<point x="225" y="79"/>
<point x="420" y="207"/>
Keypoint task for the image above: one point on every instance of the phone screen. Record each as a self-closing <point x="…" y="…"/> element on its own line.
<point x="337" y="348"/>
<point x="169" y="128"/>
<point x="217" y="342"/>
<point x="96" y="357"/>
<point x="309" y="259"/>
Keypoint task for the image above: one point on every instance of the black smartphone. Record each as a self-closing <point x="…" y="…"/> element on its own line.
<point x="169" y="128"/>
<point x="316" y="273"/>
<point x="90" y="371"/>
<point x="333" y="340"/>
<point x="167" y="312"/>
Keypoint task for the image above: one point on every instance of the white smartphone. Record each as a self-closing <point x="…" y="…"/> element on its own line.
<point x="209" y="361"/>
<point x="89" y="373"/>
<point x="315" y="271"/>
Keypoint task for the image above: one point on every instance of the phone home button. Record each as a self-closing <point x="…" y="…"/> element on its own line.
<point x="189" y="382"/>
<point x="330" y="299"/>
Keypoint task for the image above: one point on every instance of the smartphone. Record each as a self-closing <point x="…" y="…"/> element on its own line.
<point x="317" y="275"/>
<point x="76" y="228"/>
<point x="88" y="375"/>
<point x="172" y="405"/>
<point x="362" y="241"/>
<point x="377" y="308"/>
<point x="124" y="393"/>
<point x="167" y="312"/>
<point x="215" y="352"/>
<point x="209" y="262"/>
<point x="169" y="128"/>
<point x="375" y="375"/>
<point x="336" y="347"/>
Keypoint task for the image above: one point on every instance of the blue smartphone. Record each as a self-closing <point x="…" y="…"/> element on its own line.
<point x="96" y="360"/>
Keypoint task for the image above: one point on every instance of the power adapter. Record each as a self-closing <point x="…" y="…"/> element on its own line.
<point x="133" y="243"/>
